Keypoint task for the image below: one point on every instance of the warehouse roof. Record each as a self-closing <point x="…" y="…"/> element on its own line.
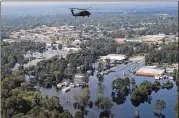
<point x="151" y="69"/>
<point x="114" y="57"/>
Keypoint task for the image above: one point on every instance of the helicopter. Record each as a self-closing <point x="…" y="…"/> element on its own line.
<point x="83" y="12"/>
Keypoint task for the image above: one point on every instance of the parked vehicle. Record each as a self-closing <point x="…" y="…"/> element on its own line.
<point x="64" y="90"/>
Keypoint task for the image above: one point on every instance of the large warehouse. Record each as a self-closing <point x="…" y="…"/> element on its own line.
<point x="117" y="57"/>
<point x="150" y="71"/>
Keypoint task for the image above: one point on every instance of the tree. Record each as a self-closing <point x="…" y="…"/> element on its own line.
<point x="54" y="114"/>
<point x="100" y="66"/>
<point x="176" y="108"/>
<point x="121" y="85"/>
<point x="137" y="113"/>
<point x="79" y="114"/>
<point x="159" y="106"/>
<point x="85" y="96"/>
<point x="168" y="85"/>
<point x="105" y="103"/>
<point x="59" y="46"/>
<point x="58" y="76"/>
<point x="132" y="82"/>
<point x="66" y="114"/>
<point x="146" y="87"/>
<point x="127" y="81"/>
<point x="156" y="84"/>
<point x="136" y="94"/>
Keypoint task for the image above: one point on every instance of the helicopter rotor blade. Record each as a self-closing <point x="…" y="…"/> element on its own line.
<point x="80" y="9"/>
<point x="76" y="8"/>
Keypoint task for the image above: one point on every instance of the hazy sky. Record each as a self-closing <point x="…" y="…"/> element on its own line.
<point x="61" y="3"/>
<point x="43" y="3"/>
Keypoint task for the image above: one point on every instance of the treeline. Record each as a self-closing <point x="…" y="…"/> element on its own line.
<point x="103" y="47"/>
<point x="14" y="53"/>
<point x="166" y="54"/>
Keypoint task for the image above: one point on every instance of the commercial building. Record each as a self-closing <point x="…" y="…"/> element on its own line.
<point x="71" y="49"/>
<point x="150" y="71"/>
<point x="153" y="38"/>
<point x="116" y="57"/>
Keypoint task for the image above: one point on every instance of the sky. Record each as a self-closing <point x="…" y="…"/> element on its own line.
<point x="63" y="3"/>
<point x="42" y="3"/>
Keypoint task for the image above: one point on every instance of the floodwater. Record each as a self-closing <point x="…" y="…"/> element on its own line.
<point x="125" y="110"/>
<point x="46" y="54"/>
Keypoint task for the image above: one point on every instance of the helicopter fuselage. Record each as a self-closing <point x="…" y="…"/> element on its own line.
<point x="81" y="13"/>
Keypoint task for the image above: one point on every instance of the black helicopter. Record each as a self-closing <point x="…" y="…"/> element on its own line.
<point x="83" y="12"/>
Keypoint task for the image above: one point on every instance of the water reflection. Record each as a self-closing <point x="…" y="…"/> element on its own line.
<point x="159" y="115"/>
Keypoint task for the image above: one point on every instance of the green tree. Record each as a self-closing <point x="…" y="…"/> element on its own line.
<point x="105" y="104"/>
<point x="79" y="114"/>
<point x="58" y="76"/>
<point x="127" y="81"/>
<point x="85" y="96"/>
<point x="159" y="106"/>
<point x="146" y="87"/>
<point x="156" y="84"/>
<point x="136" y="94"/>
<point x="66" y="114"/>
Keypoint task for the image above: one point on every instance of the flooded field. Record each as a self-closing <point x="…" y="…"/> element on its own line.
<point x="46" y="55"/>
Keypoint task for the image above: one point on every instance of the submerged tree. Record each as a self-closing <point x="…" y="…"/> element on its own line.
<point x="85" y="96"/>
<point x="176" y="108"/>
<point x="79" y="114"/>
<point x="159" y="106"/>
<point x="137" y="113"/>
<point x="132" y="82"/>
